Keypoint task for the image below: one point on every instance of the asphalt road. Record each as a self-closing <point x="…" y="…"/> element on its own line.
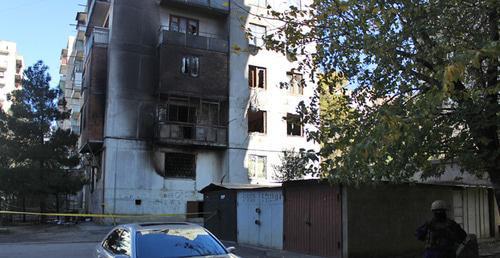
<point x="47" y="250"/>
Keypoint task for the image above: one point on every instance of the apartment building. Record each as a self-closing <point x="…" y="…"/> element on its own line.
<point x="71" y="74"/>
<point x="169" y="106"/>
<point x="11" y="71"/>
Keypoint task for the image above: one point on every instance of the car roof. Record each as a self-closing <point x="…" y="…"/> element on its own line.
<point x="161" y="226"/>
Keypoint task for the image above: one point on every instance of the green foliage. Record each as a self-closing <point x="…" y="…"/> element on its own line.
<point x="36" y="159"/>
<point x="406" y="87"/>
<point x="294" y="165"/>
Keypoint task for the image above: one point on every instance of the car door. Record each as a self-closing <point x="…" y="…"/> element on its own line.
<point x="117" y="244"/>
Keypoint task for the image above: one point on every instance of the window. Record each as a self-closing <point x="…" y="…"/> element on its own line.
<point x="177" y="242"/>
<point x="295" y="83"/>
<point x="118" y="242"/>
<point x="190" y="66"/>
<point x="256" y="121"/>
<point x="180" y="165"/>
<point x="181" y="114"/>
<point x="209" y="114"/>
<point x="257" y="34"/>
<point x="293" y="125"/>
<point x="257" y="77"/>
<point x="2" y="74"/>
<point x="184" y="25"/>
<point x="257" y="166"/>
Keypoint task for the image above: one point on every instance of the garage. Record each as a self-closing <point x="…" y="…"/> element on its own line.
<point x="248" y="214"/>
<point x="260" y="218"/>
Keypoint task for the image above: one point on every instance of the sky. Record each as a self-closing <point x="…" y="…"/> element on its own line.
<point x="40" y="28"/>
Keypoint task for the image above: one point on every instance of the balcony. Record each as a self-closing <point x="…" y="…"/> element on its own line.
<point x="3" y="66"/>
<point x="77" y="81"/>
<point x="203" y="41"/>
<point x="18" y="78"/>
<point x="199" y="124"/>
<point x="80" y="49"/>
<point x="97" y="13"/>
<point x="19" y="63"/>
<point x="99" y="37"/>
<point x="220" y="7"/>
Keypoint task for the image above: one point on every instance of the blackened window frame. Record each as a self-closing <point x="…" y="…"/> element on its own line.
<point x="186" y="29"/>
<point x="178" y="157"/>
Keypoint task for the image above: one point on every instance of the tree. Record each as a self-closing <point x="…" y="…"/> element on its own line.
<point x="423" y="85"/>
<point x="36" y="157"/>
<point x="294" y="165"/>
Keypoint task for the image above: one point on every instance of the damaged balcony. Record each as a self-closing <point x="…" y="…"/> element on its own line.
<point x="192" y="122"/>
<point x="198" y="40"/>
<point x="219" y="7"/>
<point x="94" y="84"/>
<point x="97" y="13"/>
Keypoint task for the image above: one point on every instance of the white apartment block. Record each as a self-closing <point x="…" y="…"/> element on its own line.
<point x="11" y="71"/>
<point x="71" y="72"/>
<point x="169" y="106"/>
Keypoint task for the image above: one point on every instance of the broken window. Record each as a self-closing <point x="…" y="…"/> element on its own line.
<point x="257" y="166"/>
<point x="181" y="113"/>
<point x="257" y="77"/>
<point x="184" y="25"/>
<point x="295" y="83"/>
<point x="209" y="114"/>
<point x="293" y="125"/>
<point x="257" y="34"/>
<point x="190" y="66"/>
<point x="180" y="165"/>
<point x="256" y="121"/>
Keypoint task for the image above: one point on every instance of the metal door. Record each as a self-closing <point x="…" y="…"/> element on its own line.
<point x="221" y="217"/>
<point x="260" y="218"/>
<point x="313" y="220"/>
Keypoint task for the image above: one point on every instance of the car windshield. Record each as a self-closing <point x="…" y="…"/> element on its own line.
<point x="177" y="242"/>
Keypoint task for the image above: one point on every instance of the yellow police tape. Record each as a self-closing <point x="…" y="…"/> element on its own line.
<point x="105" y="215"/>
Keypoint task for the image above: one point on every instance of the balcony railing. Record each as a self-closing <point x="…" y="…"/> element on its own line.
<point x="191" y="134"/>
<point x="206" y="41"/>
<point x="220" y="6"/>
<point x="98" y="36"/>
<point x="204" y="126"/>
<point x="77" y="81"/>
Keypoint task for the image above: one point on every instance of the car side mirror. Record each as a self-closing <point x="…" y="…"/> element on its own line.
<point x="231" y="249"/>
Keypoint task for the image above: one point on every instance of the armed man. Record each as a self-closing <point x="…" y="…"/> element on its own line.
<point x="442" y="235"/>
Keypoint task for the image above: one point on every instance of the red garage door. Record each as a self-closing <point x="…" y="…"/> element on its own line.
<point x="312" y="218"/>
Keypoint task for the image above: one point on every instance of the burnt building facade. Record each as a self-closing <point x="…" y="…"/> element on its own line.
<point x="165" y="102"/>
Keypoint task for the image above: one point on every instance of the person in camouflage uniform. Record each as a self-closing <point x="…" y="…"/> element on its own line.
<point x="441" y="234"/>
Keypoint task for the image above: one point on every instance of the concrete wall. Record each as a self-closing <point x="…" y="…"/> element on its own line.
<point x="275" y="101"/>
<point x="212" y="81"/>
<point x="382" y="220"/>
<point x="132" y="163"/>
